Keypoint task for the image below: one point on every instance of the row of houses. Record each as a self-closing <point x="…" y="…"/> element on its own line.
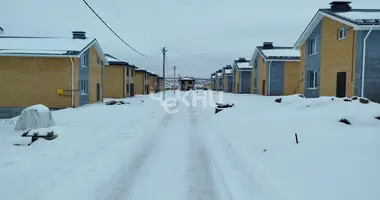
<point x="65" y="72"/>
<point x="338" y="54"/>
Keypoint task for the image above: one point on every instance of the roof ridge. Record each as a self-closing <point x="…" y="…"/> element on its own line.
<point x="354" y="10"/>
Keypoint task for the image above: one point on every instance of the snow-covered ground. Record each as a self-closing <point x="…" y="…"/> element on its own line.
<point x="138" y="151"/>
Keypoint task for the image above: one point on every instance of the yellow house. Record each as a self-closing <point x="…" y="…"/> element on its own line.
<point x="227" y="78"/>
<point x="153" y="84"/>
<point x="186" y="83"/>
<point x="219" y="80"/>
<point x="141" y="81"/>
<point x="118" y="78"/>
<point x="336" y="47"/>
<point x="56" y="72"/>
<point x="241" y="76"/>
<point x="275" y="70"/>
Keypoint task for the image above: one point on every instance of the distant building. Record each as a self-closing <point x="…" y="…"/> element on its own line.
<point x="186" y="83"/>
<point x="118" y="78"/>
<point x="141" y="81"/>
<point x="242" y="73"/>
<point x="276" y="70"/>
<point x="227" y="78"/>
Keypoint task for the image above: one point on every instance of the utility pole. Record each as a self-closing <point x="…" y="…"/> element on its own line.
<point x="164" y="50"/>
<point x="174" y="67"/>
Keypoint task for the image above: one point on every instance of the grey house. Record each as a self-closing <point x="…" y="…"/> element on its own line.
<point x="227" y="78"/>
<point x="340" y="52"/>
<point x="275" y="70"/>
<point x="241" y="79"/>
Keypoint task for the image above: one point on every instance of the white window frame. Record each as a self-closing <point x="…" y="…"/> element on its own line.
<point x="314" y="50"/>
<point x="342" y="33"/>
<point x="84" y="61"/>
<point x="84" y="87"/>
<point x="315" y="76"/>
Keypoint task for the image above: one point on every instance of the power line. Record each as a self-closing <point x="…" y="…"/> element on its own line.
<point x="121" y="39"/>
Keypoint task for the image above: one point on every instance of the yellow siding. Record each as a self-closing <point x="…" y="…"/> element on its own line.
<point x="336" y="56"/>
<point x="139" y="82"/>
<point x="291" y="77"/>
<point x="252" y="75"/>
<point x="95" y="75"/>
<point x="26" y="81"/>
<point x="225" y="83"/>
<point x="262" y="76"/>
<point x="114" y="81"/>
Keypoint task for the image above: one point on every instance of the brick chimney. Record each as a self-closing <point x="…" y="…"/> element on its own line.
<point x="79" y="35"/>
<point x="340" y="6"/>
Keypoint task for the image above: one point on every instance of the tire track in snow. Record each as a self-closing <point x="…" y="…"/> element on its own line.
<point x="203" y="173"/>
<point x="124" y="179"/>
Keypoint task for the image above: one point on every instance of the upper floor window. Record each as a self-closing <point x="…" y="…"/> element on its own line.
<point x="255" y="64"/>
<point x="312" y="46"/>
<point x="132" y="70"/>
<point x="342" y="33"/>
<point x="127" y="71"/>
<point x="83" y="60"/>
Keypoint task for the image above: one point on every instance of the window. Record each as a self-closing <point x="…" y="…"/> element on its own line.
<point x="83" y="60"/>
<point x="97" y="60"/>
<point x="342" y="33"/>
<point x="84" y="87"/>
<point x="312" y="46"/>
<point x="127" y="87"/>
<point x="256" y="64"/>
<point x="255" y="83"/>
<point x="132" y="70"/>
<point x="312" y="77"/>
<point x="127" y="71"/>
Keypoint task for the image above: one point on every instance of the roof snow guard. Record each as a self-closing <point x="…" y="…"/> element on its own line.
<point x="358" y="19"/>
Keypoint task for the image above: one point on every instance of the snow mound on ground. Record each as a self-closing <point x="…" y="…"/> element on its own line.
<point x="331" y="161"/>
<point x="34" y="117"/>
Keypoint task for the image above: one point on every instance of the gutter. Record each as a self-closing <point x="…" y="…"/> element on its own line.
<point x="72" y="83"/>
<point x="364" y="54"/>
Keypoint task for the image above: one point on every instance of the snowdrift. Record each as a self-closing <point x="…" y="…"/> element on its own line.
<point x="332" y="160"/>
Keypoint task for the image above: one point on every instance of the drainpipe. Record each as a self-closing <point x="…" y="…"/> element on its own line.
<point x="72" y="82"/>
<point x="270" y="63"/>
<point x="363" y="64"/>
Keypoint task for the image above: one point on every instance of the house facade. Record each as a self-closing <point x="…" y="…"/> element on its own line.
<point x="118" y="78"/>
<point x="186" y="83"/>
<point x="276" y="70"/>
<point x="152" y="82"/>
<point x="227" y="78"/>
<point x="141" y="80"/>
<point x="340" y="53"/>
<point x="213" y="81"/>
<point x="56" y="72"/>
<point x="219" y="80"/>
<point x="241" y="76"/>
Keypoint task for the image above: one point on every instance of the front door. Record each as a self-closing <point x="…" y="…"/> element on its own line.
<point x="98" y="92"/>
<point x="263" y="89"/>
<point x="341" y="84"/>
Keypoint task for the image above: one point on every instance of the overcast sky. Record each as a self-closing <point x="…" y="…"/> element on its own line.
<point x="201" y="35"/>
